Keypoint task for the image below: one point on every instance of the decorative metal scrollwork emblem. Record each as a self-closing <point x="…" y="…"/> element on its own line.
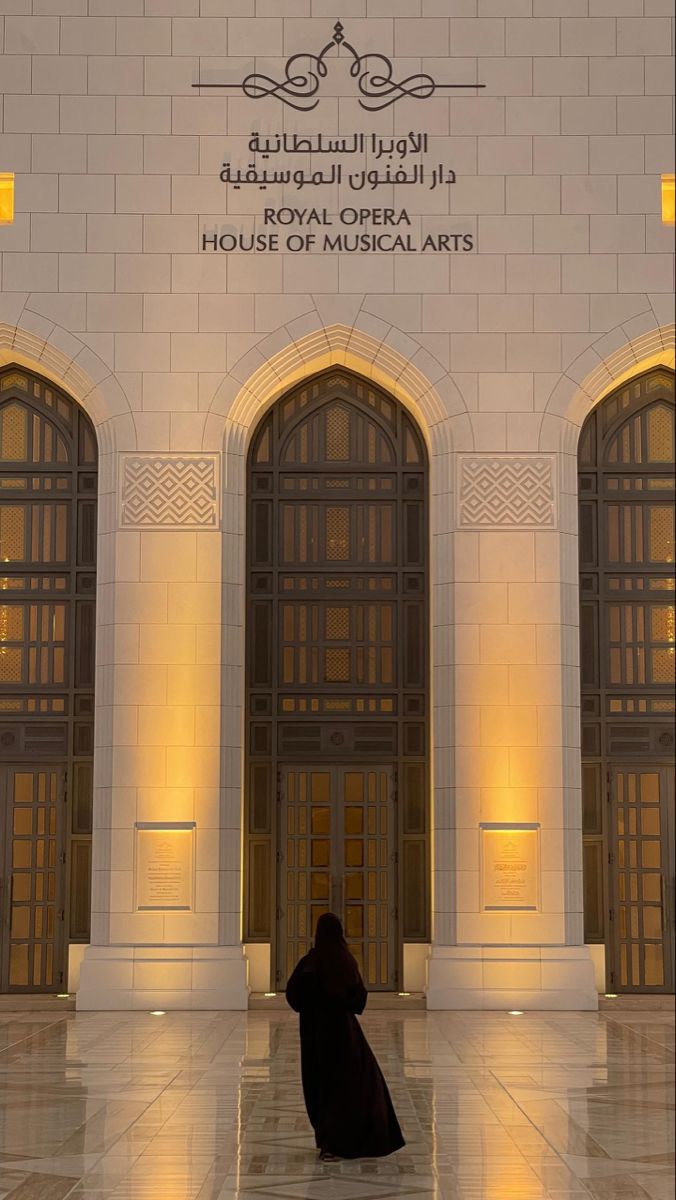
<point x="374" y="73"/>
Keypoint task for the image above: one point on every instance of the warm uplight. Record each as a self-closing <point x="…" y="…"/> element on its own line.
<point x="63" y="995"/>
<point x="7" y="197"/>
<point x="158" y="1013"/>
<point x="269" y="995"/>
<point x="668" y="201"/>
<point x="516" y="1012"/>
<point x="403" y="993"/>
<point x="610" y="996"/>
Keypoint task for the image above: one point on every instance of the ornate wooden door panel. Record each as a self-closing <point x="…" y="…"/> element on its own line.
<point x="33" y="878"/>
<point x="628" y="648"/>
<point x="48" y="486"/>
<point x="641" y="879"/>
<point x="338" y="854"/>
<point x="337" y="636"/>
<point x="307" y="861"/>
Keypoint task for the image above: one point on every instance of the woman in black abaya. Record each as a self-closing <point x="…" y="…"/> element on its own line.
<point x="346" y="1096"/>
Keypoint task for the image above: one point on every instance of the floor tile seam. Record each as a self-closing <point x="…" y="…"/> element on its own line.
<point x="540" y="1132"/>
<point x="134" y="1122"/>
<point x="633" y="1104"/>
<point x="599" y="1091"/>
<point x="635" y="1033"/>
<point x="36" y="1033"/>
<point x="76" y="1184"/>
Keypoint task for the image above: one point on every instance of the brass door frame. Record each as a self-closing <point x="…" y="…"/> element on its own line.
<point x="337" y="898"/>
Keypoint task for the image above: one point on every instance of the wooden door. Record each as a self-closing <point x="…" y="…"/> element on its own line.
<point x="32" y="803"/>
<point x="641" y="879"/>
<point x="338" y="853"/>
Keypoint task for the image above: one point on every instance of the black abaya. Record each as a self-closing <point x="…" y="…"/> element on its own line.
<point x="346" y="1096"/>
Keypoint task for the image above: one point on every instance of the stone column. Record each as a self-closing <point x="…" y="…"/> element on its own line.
<point x="165" y="745"/>
<point x="516" y="747"/>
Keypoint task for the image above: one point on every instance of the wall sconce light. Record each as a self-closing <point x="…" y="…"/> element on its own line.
<point x="668" y="202"/>
<point x="6" y="197"/>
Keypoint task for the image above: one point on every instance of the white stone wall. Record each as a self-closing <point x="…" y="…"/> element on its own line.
<point x="175" y="352"/>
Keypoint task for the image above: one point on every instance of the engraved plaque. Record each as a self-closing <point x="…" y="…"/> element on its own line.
<point x="165" y="856"/>
<point x="510" y="871"/>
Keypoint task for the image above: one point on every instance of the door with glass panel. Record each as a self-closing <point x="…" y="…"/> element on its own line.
<point x="642" y="879"/>
<point x="338" y="854"/>
<point x="33" y="878"/>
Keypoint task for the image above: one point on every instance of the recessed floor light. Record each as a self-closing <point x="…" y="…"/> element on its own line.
<point x="63" y="995"/>
<point x="269" y="995"/>
<point x="515" y="1012"/>
<point x="158" y="1013"/>
<point x="610" y="996"/>
<point x="403" y="993"/>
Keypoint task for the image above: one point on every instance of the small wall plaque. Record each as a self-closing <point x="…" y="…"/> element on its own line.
<point x="510" y="868"/>
<point x="165" y="866"/>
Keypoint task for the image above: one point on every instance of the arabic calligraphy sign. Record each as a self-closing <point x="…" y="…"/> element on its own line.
<point x="382" y="150"/>
<point x="284" y="165"/>
<point x="510" y="870"/>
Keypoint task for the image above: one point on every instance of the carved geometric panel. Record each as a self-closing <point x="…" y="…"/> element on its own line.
<point x="500" y="491"/>
<point x="169" y="491"/>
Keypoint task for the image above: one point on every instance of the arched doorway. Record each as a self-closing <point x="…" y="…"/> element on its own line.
<point x="626" y="497"/>
<point x="48" y="492"/>
<point x="337" y="664"/>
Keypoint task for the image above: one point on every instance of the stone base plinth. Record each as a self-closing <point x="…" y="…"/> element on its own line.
<point x="171" y="978"/>
<point x="527" y="978"/>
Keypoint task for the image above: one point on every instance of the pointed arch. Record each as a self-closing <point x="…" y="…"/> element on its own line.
<point x="392" y="361"/>
<point x="613" y="360"/>
<point x="33" y="343"/>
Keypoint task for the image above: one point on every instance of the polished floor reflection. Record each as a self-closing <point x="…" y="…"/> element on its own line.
<point x="204" y="1106"/>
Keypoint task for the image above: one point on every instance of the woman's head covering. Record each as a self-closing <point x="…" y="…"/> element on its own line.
<point x="329" y="931"/>
<point x="336" y="967"/>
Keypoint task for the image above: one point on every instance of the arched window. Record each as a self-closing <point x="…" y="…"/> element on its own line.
<point x="626" y="477"/>
<point x="48" y="486"/>
<point x="337" y="675"/>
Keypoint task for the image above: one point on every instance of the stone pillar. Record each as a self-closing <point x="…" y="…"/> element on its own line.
<point x="516" y="757"/>
<point x="166" y="747"/>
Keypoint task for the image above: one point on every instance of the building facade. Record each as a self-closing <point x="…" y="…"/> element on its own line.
<point x="319" y="342"/>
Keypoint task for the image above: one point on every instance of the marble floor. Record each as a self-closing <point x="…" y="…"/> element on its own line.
<point x="207" y="1106"/>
